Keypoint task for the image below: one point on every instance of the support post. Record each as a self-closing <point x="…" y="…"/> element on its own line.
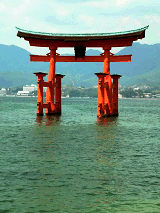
<point x="51" y="78"/>
<point x="100" y="104"/>
<point x="58" y="93"/>
<point x="108" y="108"/>
<point x="115" y="78"/>
<point x="40" y="92"/>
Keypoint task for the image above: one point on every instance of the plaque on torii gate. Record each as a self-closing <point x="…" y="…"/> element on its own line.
<point x="107" y="83"/>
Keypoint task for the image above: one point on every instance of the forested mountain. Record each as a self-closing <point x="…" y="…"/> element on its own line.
<point x="17" y="70"/>
<point x="144" y="67"/>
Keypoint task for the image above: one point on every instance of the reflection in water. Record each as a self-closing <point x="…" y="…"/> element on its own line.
<point x="52" y="119"/>
<point x="106" y="146"/>
<point x="48" y="120"/>
<point x="39" y="119"/>
<point x="107" y="154"/>
<point x="107" y="120"/>
<point x="77" y="158"/>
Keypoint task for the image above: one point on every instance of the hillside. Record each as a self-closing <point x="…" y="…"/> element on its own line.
<point x="17" y="70"/>
<point x="144" y="67"/>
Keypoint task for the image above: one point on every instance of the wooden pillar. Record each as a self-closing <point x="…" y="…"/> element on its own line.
<point x="58" y="93"/>
<point x="100" y="104"/>
<point x="108" y="108"/>
<point x="115" y="78"/>
<point x="51" y="78"/>
<point x="40" y="92"/>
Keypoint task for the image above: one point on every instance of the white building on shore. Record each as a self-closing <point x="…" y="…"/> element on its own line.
<point x="23" y="93"/>
<point x="31" y="87"/>
<point x="3" y="92"/>
<point x="27" y="90"/>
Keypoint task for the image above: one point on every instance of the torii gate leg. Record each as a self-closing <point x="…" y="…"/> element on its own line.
<point x="108" y="108"/>
<point x="100" y="104"/>
<point x="58" y="93"/>
<point x="51" y="78"/>
<point x="115" y="94"/>
<point x="40" y="92"/>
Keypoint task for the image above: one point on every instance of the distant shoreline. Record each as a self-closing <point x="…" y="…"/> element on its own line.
<point x="14" y="96"/>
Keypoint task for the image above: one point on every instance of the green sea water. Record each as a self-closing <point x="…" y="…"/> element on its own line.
<point x="76" y="163"/>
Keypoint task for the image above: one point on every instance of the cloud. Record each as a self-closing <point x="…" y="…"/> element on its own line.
<point x="73" y="16"/>
<point x="87" y="20"/>
<point x="98" y="4"/>
<point x="153" y="18"/>
<point x="122" y="3"/>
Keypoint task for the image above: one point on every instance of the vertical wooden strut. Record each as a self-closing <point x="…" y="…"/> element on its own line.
<point x="100" y="105"/>
<point x="40" y="92"/>
<point x="51" y="78"/>
<point x="58" y="93"/>
<point x="115" y="78"/>
<point x="108" y="108"/>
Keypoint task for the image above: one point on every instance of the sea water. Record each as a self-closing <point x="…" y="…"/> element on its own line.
<point x="77" y="163"/>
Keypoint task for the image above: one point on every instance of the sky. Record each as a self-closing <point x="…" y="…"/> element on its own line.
<point x="72" y="16"/>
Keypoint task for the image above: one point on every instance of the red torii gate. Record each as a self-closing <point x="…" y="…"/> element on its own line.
<point x="107" y="88"/>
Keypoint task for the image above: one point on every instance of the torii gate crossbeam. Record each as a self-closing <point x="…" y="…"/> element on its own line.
<point x="113" y="58"/>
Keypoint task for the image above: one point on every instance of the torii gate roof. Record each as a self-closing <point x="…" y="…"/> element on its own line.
<point x="139" y="33"/>
<point x="105" y="40"/>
